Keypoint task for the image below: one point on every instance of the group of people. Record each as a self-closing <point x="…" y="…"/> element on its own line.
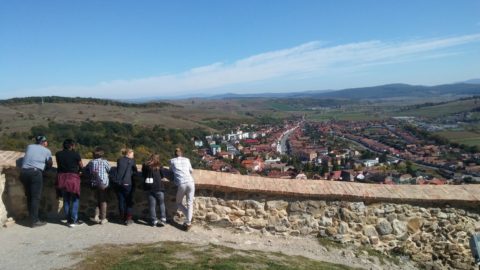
<point x="38" y="158"/>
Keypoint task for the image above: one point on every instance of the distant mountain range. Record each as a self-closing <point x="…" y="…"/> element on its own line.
<point x="473" y="81"/>
<point x="385" y="92"/>
<point x="388" y="91"/>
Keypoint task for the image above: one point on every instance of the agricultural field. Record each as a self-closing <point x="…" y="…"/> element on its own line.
<point x="442" y="109"/>
<point x="346" y="115"/>
<point x="462" y="137"/>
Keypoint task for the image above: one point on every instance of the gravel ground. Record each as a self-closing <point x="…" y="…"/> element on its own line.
<point x="57" y="246"/>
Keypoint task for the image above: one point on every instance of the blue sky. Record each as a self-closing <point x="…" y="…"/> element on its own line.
<point x="135" y="49"/>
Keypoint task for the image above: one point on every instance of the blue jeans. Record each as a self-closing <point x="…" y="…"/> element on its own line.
<point x="70" y="200"/>
<point x="125" y="201"/>
<point x="155" y="197"/>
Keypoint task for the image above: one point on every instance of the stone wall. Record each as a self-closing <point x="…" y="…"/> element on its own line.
<point x="435" y="237"/>
<point x="431" y="225"/>
<point x="51" y="205"/>
<point x="3" y="197"/>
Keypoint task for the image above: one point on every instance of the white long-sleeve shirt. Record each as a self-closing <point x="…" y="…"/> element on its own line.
<point x="182" y="170"/>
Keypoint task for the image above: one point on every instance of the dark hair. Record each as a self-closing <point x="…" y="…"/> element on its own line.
<point x="68" y="144"/>
<point x="98" y="152"/>
<point x="154" y="161"/>
<point x="178" y="152"/>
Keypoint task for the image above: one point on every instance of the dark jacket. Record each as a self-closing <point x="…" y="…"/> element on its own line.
<point x="157" y="176"/>
<point x="126" y="168"/>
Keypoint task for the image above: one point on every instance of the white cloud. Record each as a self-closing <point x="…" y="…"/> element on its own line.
<point x="309" y="59"/>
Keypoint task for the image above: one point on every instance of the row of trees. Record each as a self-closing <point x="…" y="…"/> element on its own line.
<point x="112" y="136"/>
<point x="95" y="101"/>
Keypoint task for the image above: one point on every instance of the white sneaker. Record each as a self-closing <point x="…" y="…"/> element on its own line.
<point x="103" y="221"/>
<point x="73" y="225"/>
<point x="95" y="219"/>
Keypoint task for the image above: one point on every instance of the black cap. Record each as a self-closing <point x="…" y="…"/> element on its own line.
<point x="40" y="139"/>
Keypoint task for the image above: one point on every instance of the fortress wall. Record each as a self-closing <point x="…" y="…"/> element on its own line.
<point x="3" y="210"/>
<point x="430" y="224"/>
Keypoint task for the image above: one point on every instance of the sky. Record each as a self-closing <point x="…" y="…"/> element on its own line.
<point x="165" y="49"/>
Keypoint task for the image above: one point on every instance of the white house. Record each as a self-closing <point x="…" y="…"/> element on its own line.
<point x="370" y="162"/>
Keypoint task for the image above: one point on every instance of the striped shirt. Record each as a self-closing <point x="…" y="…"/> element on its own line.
<point x="182" y="170"/>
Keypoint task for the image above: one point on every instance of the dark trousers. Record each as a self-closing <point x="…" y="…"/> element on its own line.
<point x="32" y="180"/>
<point x="125" y="201"/>
<point x="154" y="198"/>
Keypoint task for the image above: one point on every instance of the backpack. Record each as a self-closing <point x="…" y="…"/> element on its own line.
<point x="92" y="174"/>
<point x="112" y="175"/>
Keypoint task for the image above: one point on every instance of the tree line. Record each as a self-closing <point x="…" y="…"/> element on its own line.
<point x="94" y="101"/>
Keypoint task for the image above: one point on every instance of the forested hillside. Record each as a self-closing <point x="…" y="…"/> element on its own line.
<point x="112" y="136"/>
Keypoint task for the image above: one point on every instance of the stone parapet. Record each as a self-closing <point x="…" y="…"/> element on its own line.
<point x="460" y="195"/>
<point x="430" y="224"/>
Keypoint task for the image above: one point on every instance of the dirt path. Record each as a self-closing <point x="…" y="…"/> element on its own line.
<point x="54" y="245"/>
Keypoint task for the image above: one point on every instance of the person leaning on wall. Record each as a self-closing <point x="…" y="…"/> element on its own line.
<point x="69" y="165"/>
<point x="182" y="172"/>
<point x="126" y="169"/>
<point x="37" y="159"/>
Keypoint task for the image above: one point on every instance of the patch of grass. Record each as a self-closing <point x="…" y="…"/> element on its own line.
<point x="381" y="257"/>
<point x="182" y="256"/>
<point x="443" y="109"/>
<point x="330" y="244"/>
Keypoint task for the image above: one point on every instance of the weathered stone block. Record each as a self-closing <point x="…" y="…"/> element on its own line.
<point x="251" y="204"/>
<point x="369" y="230"/>
<point x="325" y="222"/>
<point x="399" y="227"/>
<point x="343" y="228"/>
<point x="257" y="223"/>
<point x="250" y="212"/>
<point x="331" y="231"/>
<point x="221" y="210"/>
<point x="414" y="225"/>
<point x="442" y="215"/>
<point x="237" y="222"/>
<point x="296" y="206"/>
<point x="277" y="205"/>
<point x="212" y="217"/>
<point x="374" y="240"/>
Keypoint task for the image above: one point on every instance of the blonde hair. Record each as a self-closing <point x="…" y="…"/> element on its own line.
<point x="126" y="151"/>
